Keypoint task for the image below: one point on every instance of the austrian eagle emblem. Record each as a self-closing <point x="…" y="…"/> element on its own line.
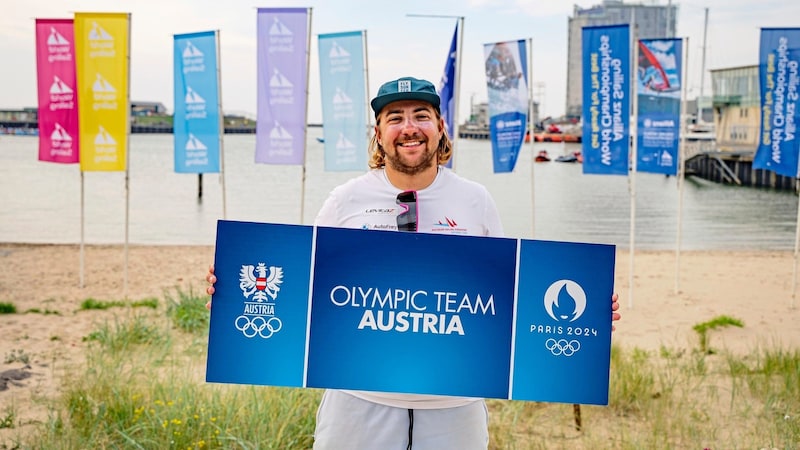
<point x="260" y="282"/>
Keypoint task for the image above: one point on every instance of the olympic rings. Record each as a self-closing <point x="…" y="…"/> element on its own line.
<point x="255" y="326"/>
<point x="562" y="346"/>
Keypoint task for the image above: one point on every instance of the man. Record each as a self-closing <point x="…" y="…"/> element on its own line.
<point x="408" y="152"/>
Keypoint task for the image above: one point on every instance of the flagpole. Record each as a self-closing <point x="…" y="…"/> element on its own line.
<point x="530" y="130"/>
<point x="221" y="138"/>
<point x="796" y="239"/>
<point x="681" y="163"/>
<point x="83" y="209"/>
<point x="127" y="155"/>
<point x="632" y="171"/>
<point x="457" y="89"/>
<point x="703" y="68"/>
<point x="366" y="86"/>
<point x="305" y="128"/>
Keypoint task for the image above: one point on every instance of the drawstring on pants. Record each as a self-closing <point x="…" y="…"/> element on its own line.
<point x="410" y="427"/>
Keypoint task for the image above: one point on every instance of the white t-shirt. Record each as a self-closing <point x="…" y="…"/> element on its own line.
<point x="450" y="205"/>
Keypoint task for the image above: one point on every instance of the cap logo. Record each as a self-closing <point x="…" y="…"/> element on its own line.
<point x="404" y="86"/>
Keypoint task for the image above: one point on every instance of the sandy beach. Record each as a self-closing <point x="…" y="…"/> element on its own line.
<point x="754" y="287"/>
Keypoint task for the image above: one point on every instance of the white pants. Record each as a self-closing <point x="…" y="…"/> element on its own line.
<point x="348" y="422"/>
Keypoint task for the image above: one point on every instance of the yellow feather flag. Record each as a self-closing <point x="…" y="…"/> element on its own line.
<point x="102" y="57"/>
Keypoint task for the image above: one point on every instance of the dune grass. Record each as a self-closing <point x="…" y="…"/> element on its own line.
<point x="7" y="308"/>
<point x="91" y="303"/>
<point x="704" y="328"/>
<point x="142" y="387"/>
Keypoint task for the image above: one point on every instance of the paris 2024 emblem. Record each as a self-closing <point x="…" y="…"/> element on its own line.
<point x="260" y="285"/>
<point x="565" y="303"/>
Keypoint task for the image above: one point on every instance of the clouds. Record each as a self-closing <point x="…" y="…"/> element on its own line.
<point x="533" y="8"/>
<point x="732" y="35"/>
<point x="539" y="8"/>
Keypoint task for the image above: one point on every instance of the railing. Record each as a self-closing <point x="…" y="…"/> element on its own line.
<point x="694" y="148"/>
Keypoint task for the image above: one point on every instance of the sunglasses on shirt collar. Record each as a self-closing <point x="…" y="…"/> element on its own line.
<point x="407" y="218"/>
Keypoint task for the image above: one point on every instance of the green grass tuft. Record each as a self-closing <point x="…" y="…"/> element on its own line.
<point x="7" y="419"/>
<point x="94" y="304"/>
<point x="123" y="335"/>
<point x="188" y="311"/>
<point x="17" y="356"/>
<point x="46" y="312"/>
<point x="703" y="328"/>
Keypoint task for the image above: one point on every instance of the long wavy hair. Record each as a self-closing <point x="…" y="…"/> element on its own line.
<point x="377" y="155"/>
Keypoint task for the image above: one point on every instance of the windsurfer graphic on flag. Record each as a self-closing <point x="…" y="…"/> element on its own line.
<point x="653" y="68"/>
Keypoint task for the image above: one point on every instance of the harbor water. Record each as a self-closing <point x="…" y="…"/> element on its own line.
<point x="50" y="203"/>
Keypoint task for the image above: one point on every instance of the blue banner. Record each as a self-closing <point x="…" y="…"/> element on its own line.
<point x="779" y="59"/>
<point x="447" y="90"/>
<point x="261" y="305"/>
<point x="563" y="322"/>
<point x="506" y="66"/>
<point x="344" y="101"/>
<point x="326" y="308"/>
<point x="196" y="122"/>
<point x="606" y="99"/>
<point x="282" y="46"/>
<point x="658" y="89"/>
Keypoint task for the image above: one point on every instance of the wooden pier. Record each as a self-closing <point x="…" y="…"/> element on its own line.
<point x="735" y="167"/>
<point x="473" y="134"/>
<point x="537" y="137"/>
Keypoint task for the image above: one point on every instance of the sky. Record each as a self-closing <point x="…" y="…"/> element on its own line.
<point x="399" y="42"/>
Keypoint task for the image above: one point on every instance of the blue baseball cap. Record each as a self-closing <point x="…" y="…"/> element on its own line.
<point x="406" y="88"/>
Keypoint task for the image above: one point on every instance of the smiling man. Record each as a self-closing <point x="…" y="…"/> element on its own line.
<point x="407" y="189"/>
<point x="408" y="152"/>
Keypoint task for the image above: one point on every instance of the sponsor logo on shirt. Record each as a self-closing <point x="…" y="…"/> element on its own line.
<point x="448" y="225"/>
<point x="380" y="211"/>
<point x="378" y="226"/>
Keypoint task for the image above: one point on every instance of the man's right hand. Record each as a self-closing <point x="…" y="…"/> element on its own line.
<point x="211" y="278"/>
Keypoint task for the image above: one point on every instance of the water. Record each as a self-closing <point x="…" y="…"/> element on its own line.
<point x="42" y="201"/>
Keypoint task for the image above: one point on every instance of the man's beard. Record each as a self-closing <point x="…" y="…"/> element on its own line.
<point x="395" y="162"/>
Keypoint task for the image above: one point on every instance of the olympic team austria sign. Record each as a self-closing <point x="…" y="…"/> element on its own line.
<point x="420" y="313"/>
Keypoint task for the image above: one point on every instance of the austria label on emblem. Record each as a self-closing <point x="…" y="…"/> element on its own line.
<point x="260" y="286"/>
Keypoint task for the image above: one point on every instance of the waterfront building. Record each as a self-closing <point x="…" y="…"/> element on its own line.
<point x="478" y="117"/>
<point x="736" y="101"/>
<point x="652" y="21"/>
<point x="148" y="109"/>
<point x="19" y="121"/>
<point x="146" y="117"/>
<point x="19" y="115"/>
<point x="31" y="114"/>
